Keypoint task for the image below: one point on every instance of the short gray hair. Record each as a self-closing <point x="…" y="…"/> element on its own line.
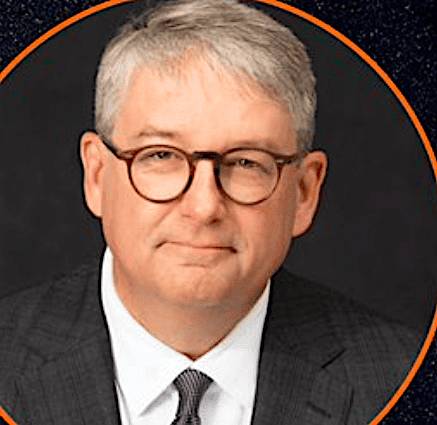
<point x="240" y="39"/>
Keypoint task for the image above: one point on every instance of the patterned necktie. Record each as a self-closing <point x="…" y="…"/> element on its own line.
<point x="191" y="385"/>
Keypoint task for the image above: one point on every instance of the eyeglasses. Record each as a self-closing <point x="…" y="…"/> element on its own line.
<point x="162" y="173"/>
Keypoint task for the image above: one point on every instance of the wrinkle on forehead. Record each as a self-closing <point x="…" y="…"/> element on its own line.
<point x="192" y="61"/>
<point x="193" y="96"/>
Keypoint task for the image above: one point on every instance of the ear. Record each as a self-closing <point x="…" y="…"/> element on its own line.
<point x="93" y="160"/>
<point x="311" y="174"/>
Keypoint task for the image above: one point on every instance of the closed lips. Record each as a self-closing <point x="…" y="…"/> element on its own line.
<point x="200" y="246"/>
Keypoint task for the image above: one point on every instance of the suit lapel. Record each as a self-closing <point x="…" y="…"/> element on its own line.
<point x="295" y="385"/>
<point x="69" y="373"/>
<point x="75" y="388"/>
<point x="294" y="391"/>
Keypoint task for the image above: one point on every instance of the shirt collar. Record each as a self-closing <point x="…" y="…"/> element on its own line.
<point x="145" y="367"/>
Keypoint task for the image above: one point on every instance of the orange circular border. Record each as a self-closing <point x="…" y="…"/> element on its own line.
<point x="351" y="45"/>
<point x="6" y="417"/>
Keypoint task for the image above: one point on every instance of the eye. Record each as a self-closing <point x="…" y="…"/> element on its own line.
<point x="158" y="155"/>
<point x="161" y="155"/>
<point x="250" y="162"/>
<point x="243" y="163"/>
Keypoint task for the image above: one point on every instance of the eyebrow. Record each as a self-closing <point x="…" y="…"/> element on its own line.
<point x="154" y="132"/>
<point x="258" y="143"/>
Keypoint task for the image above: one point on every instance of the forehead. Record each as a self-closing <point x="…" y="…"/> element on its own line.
<point x="196" y="100"/>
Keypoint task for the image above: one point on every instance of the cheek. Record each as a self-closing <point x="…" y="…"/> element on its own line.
<point x="269" y="231"/>
<point x="284" y="206"/>
<point x="118" y="220"/>
<point x="118" y="202"/>
<point x="127" y="219"/>
<point x="280" y="226"/>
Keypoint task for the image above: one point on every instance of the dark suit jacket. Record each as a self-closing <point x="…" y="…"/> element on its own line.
<point x="324" y="360"/>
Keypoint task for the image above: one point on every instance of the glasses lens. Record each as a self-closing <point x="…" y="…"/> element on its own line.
<point x="160" y="173"/>
<point x="248" y="175"/>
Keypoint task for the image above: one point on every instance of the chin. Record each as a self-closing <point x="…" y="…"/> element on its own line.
<point x="198" y="286"/>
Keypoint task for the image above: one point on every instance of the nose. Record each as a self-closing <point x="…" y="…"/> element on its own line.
<point x="203" y="201"/>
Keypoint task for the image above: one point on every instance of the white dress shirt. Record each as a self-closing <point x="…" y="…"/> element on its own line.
<point x="145" y="367"/>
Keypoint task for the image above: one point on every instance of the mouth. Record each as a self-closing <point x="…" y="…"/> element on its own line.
<point x="196" y="254"/>
<point x="198" y="246"/>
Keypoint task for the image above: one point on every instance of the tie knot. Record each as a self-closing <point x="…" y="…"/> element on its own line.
<point x="191" y="385"/>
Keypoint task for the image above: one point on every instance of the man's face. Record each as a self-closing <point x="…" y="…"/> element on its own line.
<point x="202" y="249"/>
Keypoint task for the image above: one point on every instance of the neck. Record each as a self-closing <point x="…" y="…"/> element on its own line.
<point x="190" y="331"/>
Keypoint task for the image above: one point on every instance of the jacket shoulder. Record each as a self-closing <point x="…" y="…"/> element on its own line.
<point x="372" y="353"/>
<point x="348" y="319"/>
<point x="19" y="310"/>
<point x="39" y="313"/>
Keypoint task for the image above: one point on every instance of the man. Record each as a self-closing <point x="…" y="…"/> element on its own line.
<point x="202" y="173"/>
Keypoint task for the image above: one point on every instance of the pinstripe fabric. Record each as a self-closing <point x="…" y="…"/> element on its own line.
<point x="191" y="385"/>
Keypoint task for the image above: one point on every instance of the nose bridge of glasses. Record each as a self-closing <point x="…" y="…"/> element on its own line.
<point x="208" y="155"/>
<point x="215" y="157"/>
<point x="196" y="156"/>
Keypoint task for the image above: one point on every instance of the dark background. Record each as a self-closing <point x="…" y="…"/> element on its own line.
<point x="374" y="238"/>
